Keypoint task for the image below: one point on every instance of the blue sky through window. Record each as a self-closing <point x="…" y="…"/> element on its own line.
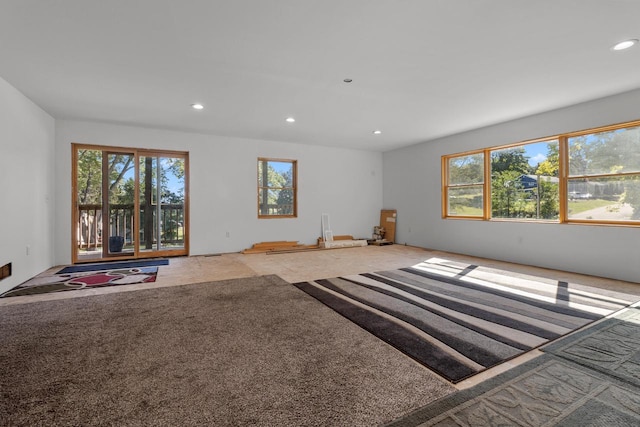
<point x="537" y="152"/>
<point x="174" y="184"/>
<point x="280" y="167"/>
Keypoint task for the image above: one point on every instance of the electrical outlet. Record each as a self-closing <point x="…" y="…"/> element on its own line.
<point x="228" y="234"/>
<point x="28" y="250"/>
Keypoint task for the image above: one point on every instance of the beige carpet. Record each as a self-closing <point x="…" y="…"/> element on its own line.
<point x="253" y="351"/>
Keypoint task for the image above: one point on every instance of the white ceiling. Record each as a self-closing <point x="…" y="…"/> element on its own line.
<point x="421" y="69"/>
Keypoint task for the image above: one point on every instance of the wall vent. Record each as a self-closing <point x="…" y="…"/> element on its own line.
<point x="5" y="271"/>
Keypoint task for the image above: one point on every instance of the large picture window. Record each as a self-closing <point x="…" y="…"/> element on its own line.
<point x="592" y="176"/>
<point x="524" y="182"/>
<point x="277" y="188"/>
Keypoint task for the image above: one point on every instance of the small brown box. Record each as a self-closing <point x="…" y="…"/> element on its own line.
<point x="5" y="271"/>
<point x="388" y="222"/>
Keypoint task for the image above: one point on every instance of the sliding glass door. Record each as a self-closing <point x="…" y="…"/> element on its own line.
<point x="129" y="203"/>
<point x="119" y="189"/>
<point x="87" y="204"/>
<point x="162" y="202"/>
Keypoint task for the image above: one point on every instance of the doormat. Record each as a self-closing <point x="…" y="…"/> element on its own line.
<point x="83" y="280"/>
<point x="112" y="265"/>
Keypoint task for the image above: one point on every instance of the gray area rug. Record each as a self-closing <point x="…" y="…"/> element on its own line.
<point x="253" y="351"/>
<point x="612" y="346"/>
<point x="546" y="391"/>
<point x="460" y="319"/>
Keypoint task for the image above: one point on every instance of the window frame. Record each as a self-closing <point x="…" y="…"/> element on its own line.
<point x="569" y="177"/>
<point x="76" y="206"/>
<point x="294" y="187"/>
<point x="488" y="154"/>
<point x="563" y="177"/>
<point x="447" y="186"/>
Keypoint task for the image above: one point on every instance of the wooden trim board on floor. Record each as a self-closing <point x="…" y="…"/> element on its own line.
<point x="284" y="246"/>
<point x="263" y="247"/>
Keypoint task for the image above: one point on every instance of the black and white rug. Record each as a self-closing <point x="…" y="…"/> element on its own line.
<point x="459" y="319"/>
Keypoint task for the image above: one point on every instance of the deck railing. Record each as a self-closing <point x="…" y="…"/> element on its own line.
<point x="90" y="227"/>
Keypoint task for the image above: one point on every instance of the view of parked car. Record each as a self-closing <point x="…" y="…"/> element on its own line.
<point x="575" y="195"/>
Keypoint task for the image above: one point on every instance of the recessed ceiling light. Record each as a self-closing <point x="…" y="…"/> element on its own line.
<point x="197" y="106"/>
<point x="377" y="132"/>
<point x="347" y="80"/>
<point x="290" y="120"/>
<point x="625" y="44"/>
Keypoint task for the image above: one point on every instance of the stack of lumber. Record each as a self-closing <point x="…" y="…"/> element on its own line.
<point x="279" y="246"/>
<point x="291" y="246"/>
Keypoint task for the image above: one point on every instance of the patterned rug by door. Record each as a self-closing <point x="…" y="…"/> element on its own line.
<point x="92" y="279"/>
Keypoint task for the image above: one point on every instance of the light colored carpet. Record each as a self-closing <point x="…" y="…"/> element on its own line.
<point x="253" y="351"/>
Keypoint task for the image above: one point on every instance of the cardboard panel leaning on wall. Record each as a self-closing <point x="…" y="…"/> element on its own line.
<point x="26" y="186"/>
<point x="412" y="184"/>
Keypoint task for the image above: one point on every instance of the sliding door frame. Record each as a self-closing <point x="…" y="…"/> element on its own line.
<point x="75" y="214"/>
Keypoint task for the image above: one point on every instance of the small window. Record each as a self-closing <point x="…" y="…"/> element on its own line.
<point x="277" y="188"/>
<point x="464" y="185"/>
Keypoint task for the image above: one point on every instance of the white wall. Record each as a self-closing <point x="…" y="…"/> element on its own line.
<point x="26" y="186"/>
<point x="412" y="185"/>
<point x="347" y="184"/>
<point x="35" y="176"/>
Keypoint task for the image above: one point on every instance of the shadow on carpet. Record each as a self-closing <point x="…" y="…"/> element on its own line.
<point x="460" y="319"/>
<point x="547" y="391"/>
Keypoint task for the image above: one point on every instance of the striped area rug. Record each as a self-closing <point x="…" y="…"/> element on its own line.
<point x="459" y="319"/>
